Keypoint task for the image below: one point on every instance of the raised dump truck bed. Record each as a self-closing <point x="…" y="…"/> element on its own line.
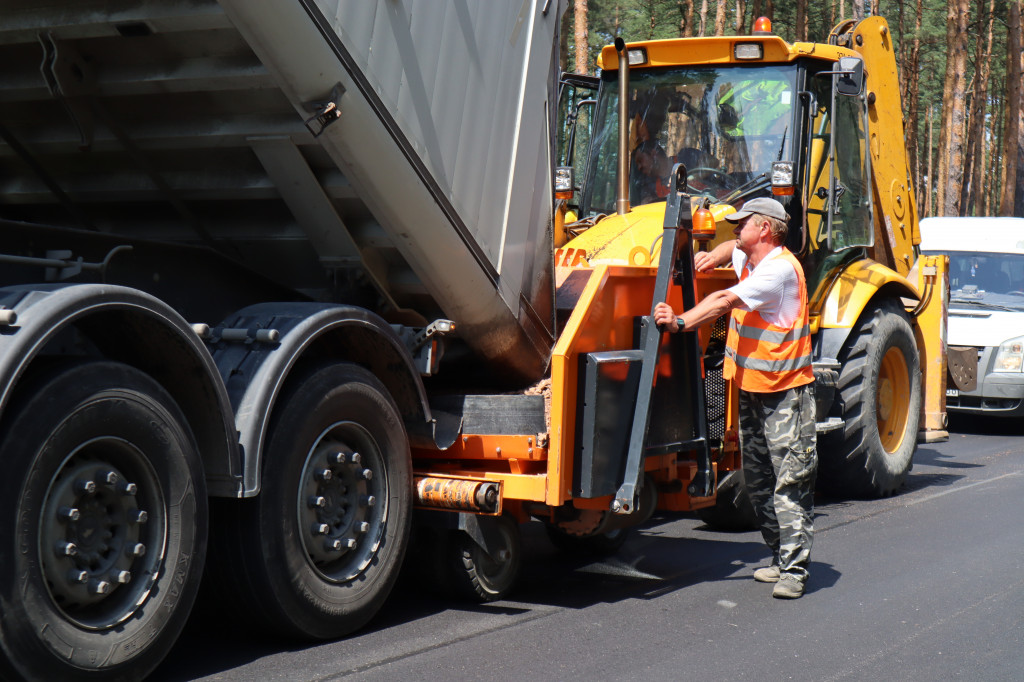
<point x="393" y="156"/>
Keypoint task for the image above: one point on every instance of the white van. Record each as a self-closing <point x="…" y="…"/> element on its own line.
<point x="985" y="341"/>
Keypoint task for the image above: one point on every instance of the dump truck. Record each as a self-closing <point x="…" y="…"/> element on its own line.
<point x="286" y="299"/>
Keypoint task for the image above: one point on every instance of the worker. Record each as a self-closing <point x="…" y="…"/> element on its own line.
<point x="655" y="167"/>
<point x="768" y="356"/>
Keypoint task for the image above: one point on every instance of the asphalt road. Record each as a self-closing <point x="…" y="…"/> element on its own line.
<point x="925" y="585"/>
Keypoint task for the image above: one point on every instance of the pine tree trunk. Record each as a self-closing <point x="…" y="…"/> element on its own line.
<point x="685" y="18"/>
<point x="858" y="10"/>
<point x="720" y="17"/>
<point x="929" y="188"/>
<point x="801" y="19"/>
<point x="1011" y="136"/>
<point x="703" y="18"/>
<point x="913" y="101"/>
<point x="973" y="166"/>
<point x="582" y="44"/>
<point x="951" y="133"/>
<point x="741" y="14"/>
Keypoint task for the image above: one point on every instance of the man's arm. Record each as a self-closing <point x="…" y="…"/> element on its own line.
<point x="717" y="257"/>
<point x="708" y="309"/>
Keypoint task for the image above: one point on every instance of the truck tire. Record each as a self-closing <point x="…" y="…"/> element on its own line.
<point x="317" y="552"/>
<point x="476" y="575"/>
<point x="102" y="525"/>
<point x="879" y="388"/>
<point x="732" y="510"/>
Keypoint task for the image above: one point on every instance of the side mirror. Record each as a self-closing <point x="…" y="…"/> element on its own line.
<point x="851" y="76"/>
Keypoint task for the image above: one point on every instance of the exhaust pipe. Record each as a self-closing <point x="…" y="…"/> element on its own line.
<point x="622" y="193"/>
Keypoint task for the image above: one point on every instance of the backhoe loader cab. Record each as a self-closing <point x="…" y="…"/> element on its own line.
<point x="818" y="127"/>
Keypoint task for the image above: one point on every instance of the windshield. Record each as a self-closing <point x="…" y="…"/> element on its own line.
<point x="726" y="124"/>
<point x="987" y="278"/>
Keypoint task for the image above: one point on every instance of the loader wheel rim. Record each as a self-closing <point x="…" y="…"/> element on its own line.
<point x="343" y="502"/>
<point x="893" y="399"/>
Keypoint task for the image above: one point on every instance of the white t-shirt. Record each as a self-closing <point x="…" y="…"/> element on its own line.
<point x="772" y="288"/>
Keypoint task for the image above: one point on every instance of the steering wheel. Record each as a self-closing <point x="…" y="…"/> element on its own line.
<point x="711" y="178"/>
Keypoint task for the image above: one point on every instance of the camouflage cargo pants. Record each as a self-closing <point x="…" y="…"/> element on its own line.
<point x="780" y="461"/>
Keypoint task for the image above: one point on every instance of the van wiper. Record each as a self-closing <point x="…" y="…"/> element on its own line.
<point x="983" y="304"/>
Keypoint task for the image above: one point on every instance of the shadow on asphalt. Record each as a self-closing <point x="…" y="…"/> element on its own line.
<point x="985" y="425"/>
<point x="650" y="564"/>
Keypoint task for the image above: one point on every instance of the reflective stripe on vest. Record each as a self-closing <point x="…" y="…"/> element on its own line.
<point x="764" y="358"/>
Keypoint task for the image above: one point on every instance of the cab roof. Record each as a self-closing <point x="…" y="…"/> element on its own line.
<point x="719" y="50"/>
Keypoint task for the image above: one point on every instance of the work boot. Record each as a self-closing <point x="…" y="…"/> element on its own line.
<point x="767" y="574"/>
<point x="788" y="587"/>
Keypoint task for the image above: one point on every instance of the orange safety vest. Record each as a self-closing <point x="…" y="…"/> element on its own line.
<point x="765" y="358"/>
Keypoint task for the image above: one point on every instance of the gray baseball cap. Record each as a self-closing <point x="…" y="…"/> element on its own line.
<point x="760" y="206"/>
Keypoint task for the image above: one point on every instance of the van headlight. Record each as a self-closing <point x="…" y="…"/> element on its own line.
<point x="1010" y="357"/>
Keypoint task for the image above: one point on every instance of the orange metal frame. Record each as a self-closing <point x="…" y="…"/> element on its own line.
<point x="538" y="468"/>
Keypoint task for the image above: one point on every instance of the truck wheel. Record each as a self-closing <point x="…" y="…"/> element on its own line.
<point x="102" y="525"/>
<point x="317" y="552"/>
<point x="880" y="389"/>
<point x="478" y="576"/>
<point x="732" y="510"/>
<point x="596" y="545"/>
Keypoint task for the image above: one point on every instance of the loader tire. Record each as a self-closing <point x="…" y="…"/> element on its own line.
<point x="317" y="552"/>
<point x="879" y="390"/>
<point x="732" y="511"/>
<point x="102" y="525"/>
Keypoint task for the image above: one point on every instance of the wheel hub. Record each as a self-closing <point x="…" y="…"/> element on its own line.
<point x="99" y="549"/>
<point x="342" y="503"/>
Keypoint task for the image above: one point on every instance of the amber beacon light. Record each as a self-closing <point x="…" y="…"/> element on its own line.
<point x="762" y="25"/>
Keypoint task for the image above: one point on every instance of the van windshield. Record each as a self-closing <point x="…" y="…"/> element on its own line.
<point x="990" y="277"/>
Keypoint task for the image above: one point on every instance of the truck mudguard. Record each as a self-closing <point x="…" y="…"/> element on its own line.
<point x="257" y="347"/>
<point x="130" y="326"/>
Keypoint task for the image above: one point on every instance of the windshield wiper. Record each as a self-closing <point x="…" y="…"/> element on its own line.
<point x="983" y="304"/>
<point x="758" y="182"/>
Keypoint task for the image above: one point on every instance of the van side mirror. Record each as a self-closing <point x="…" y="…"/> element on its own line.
<point x="851" y="76"/>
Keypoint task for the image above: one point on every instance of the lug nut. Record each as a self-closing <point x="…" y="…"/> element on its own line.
<point x="367" y="474"/>
<point x="356" y="458"/>
<point x="367" y="501"/>
<point x="99" y="586"/>
<point x="137" y="550"/>
<point x="111" y="478"/>
<point x="363" y="527"/>
<point x="85" y="487"/>
<point x="77" y="576"/>
<point x="128" y="489"/>
<point x="67" y="549"/>
<point x="336" y="458"/>
<point x="324" y="475"/>
<point x="123" y="577"/>
<point x="351" y="543"/>
<point x="320" y="529"/>
<point x="69" y="513"/>
<point x="317" y="501"/>
<point x="139" y="516"/>
<point x="332" y="545"/>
